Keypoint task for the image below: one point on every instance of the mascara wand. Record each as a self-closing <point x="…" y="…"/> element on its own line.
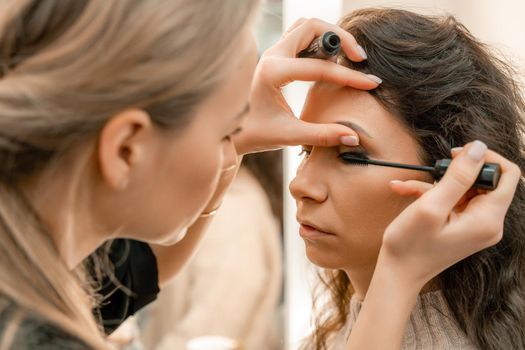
<point x="488" y="177"/>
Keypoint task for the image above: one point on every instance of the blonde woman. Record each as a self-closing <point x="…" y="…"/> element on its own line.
<point x="122" y="119"/>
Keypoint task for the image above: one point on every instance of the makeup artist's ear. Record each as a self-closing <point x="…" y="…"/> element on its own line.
<point x="121" y="146"/>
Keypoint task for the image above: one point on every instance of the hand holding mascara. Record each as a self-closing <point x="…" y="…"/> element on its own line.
<point x="323" y="47"/>
<point x="488" y="177"/>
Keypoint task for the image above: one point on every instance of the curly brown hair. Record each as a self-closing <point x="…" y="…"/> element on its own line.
<point x="448" y="89"/>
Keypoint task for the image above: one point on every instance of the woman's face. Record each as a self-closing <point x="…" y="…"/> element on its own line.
<point x="344" y="209"/>
<point x="184" y="169"/>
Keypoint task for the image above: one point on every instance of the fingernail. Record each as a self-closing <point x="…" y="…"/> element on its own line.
<point x="456" y="149"/>
<point x="477" y="151"/>
<point x="374" y="78"/>
<point x="350" y="140"/>
<point x="395" y="181"/>
<point x="362" y="51"/>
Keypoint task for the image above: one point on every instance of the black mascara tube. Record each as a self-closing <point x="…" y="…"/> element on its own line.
<point x="487" y="179"/>
<point x="325" y="46"/>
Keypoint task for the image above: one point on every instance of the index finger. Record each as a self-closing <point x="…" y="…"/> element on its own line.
<point x="311" y="69"/>
<point x="501" y="197"/>
<point x="304" y="33"/>
<point x="459" y="177"/>
<point x="324" y="135"/>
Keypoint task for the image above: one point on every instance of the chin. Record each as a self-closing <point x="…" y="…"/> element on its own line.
<point x="322" y="258"/>
<point x="173" y="237"/>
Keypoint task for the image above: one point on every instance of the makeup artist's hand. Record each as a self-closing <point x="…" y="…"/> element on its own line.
<point x="271" y="123"/>
<point x="449" y="221"/>
<point x="431" y="234"/>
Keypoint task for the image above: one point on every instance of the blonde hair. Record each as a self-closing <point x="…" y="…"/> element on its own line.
<point x="66" y="67"/>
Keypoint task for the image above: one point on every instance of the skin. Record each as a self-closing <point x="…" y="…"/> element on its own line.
<point x="137" y="175"/>
<point x="344" y="209"/>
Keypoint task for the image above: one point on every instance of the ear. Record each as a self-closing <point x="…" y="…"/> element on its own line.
<point x="121" y="146"/>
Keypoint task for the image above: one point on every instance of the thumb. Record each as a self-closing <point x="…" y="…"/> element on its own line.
<point x="410" y="188"/>
<point x="300" y="132"/>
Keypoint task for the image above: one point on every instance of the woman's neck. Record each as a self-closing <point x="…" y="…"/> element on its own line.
<point x="63" y="213"/>
<point x="360" y="280"/>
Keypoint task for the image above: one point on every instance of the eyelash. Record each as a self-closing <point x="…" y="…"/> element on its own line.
<point x="233" y="133"/>
<point x="306" y="152"/>
<point x="353" y="154"/>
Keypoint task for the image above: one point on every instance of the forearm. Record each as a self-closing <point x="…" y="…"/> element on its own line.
<point x="385" y="311"/>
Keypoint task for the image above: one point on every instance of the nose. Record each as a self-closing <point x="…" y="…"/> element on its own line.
<point x="308" y="183"/>
<point x="230" y="157"/>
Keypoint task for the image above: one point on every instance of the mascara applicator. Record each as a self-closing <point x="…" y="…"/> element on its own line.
<point x="488" y="177"/>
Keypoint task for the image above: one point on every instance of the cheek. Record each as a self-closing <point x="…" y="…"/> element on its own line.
<point x="187" y="181"/>
<point x="199" y="174"/>
<point x="365" y="205"/>
<point x="364" y="200"/>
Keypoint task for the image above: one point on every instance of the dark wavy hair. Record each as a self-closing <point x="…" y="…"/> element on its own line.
<point x="448" y="89"/>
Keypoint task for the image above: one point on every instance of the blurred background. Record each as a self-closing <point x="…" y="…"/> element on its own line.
<point x="259" y="295"/>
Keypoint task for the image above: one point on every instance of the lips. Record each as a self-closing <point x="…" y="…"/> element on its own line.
<point x="309" y="230"/>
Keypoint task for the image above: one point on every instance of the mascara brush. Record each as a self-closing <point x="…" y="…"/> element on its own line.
<point x="488" y="177"/>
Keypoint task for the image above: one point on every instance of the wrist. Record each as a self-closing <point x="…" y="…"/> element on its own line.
<point x="396" y="277"/>
<point x="387" y="306"/>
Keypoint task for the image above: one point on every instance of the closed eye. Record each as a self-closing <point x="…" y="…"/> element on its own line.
<point x="346" y="157"/>
<point x="305" y="152"/>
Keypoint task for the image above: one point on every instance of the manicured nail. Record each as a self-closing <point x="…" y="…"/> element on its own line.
<point x="361" y="51"/>
<point x="349" y="140"/>
<point x="374" y="78"/>
<point x="456" y="150"/>
<point x="477" y="151"/>
<point x="395" y="181"/>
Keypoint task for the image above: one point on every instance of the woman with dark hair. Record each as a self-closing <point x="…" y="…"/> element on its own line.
<point x="441" y="89"/>
<point x="120" y="122"/>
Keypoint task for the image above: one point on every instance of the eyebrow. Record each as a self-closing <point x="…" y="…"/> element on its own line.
<point x="244" y="111"/>
<point x="355" y="127"/>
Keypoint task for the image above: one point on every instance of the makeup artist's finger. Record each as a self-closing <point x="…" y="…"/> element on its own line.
<point x="500" y="198"/>
<point x="459" y="178"/>
<point x="455" y="151"/>
<point x="463" y="201"/>
<point x="410" y="188"/>
<point x="298" y="132"/>
<point x="481" y="220"/>
<point x="285" y="71"/>
<point x="296" y="24"/>
<point x="304" y="33"/>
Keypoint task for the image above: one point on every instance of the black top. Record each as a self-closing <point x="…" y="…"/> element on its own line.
<point x="134" y="285"/>
<point x="35" y="333"/>
<point x="136" y="271"/>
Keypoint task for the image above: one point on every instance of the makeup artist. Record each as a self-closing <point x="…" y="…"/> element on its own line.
<point x="123" y="122"/>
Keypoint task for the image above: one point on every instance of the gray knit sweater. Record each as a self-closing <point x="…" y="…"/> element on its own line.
<point x="431" y="326"/>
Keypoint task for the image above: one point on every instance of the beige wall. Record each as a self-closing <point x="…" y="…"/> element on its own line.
<point x="499" y="23"/>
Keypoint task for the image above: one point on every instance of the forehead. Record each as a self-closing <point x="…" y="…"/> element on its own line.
<point x="330" y="103"/>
